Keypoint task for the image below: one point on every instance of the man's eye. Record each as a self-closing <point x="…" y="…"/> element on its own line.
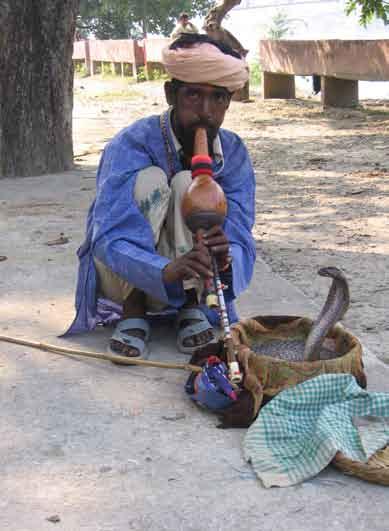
<point x="220" y="97"/>
<point x="193" y="94"/>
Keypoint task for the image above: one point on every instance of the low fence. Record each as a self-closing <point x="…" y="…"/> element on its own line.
<point x="122" y="56"/>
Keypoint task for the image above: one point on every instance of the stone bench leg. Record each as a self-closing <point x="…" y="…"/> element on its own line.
<point x="134" y="71"/>
<point x="337" y="92"/>
<point x="278" y="86"/>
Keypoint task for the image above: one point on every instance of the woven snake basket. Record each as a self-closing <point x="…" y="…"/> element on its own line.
<point x="271" y="375"/>
<point x="274" y="374"/>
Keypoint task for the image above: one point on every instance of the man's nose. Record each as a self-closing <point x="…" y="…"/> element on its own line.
<point x="206" y="107"/>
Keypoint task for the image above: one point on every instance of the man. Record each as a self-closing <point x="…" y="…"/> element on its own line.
<point x="138" y="253"/>
<point x="184" y="26"/>
<point x="316" y="84"/>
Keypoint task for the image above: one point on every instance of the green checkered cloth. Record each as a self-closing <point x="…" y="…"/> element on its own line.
<point x="297" y="434"/>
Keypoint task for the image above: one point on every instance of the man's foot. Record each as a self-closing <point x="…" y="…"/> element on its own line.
<point x="130" y="338"/>
<point x="117" y="347"/>
<point x="193" y="330"/>
<point x="132" y="333"/>
<point x="196" y="340"/>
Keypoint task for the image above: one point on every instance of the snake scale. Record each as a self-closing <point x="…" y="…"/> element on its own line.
<point x="335" y="306"/>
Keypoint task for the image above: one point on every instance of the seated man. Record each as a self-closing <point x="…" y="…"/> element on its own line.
<point x="138" y="252"/>
<point x="184" y="25"/>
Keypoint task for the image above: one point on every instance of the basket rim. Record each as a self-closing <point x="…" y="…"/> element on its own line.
<point x="240" y="333"/>
<point x="375" y="470"/>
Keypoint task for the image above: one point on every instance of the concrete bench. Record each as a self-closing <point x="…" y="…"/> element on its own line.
<point x="340" y="63"/>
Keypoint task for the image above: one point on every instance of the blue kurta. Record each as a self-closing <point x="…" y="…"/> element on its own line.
<point x="120" y="236"/>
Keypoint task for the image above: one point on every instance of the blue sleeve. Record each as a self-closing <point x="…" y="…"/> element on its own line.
<point x="238" y="184"/>
<point x="122" y="237"/>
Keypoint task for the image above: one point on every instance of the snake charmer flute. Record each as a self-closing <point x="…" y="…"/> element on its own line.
<point x="204" y="205"/>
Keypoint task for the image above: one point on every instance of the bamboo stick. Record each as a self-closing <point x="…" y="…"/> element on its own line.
<point x="124" y="360"/>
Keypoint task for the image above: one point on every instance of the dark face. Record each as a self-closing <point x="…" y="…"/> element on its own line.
<point x="184" y="21"/>
<point x="194" y="105"/>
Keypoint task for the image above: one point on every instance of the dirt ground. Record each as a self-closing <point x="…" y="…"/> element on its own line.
<point x="322" y="186"/>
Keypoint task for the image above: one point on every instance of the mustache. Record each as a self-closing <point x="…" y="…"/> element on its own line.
<point x="208" y="126"/>
<point x="210" y="129"/>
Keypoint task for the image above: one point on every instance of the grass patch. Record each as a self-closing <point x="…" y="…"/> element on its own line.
<point x="377" y="108"/>
<point x="375" y="112"/>
<point x="116" y="95"/>
<point x="115" y="77"/>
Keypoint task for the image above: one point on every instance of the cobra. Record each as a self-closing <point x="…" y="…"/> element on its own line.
<point x="312" y="349"/>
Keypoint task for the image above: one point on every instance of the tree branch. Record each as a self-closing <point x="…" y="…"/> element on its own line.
<point x="212" y="25"/>
<point x="215" y="16"/>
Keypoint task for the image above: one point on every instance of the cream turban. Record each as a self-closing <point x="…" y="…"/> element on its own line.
<point x="205" y="63"/>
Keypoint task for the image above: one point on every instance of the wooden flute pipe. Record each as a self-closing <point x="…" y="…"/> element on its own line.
<point x="204" y="205"/>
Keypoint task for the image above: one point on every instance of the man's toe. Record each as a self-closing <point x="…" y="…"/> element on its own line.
<point x="194" y="330"/>
<point x="190" y="341"/>
<point x="124" y="350"/>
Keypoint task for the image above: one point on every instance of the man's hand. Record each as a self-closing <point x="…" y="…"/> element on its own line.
<point x="217" y="243"/>
<point x="195" y="264"/>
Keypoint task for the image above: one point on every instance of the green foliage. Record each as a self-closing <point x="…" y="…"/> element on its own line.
<point x="155" y="74"/>
<point x="80" y="69"/>
<point x="98" y="18"/>
<point x="123" y="19"/>
<point x="280" y="26"/>
<point x="116" y="95"/>
<point x="368" y="10"/>
<point x="141" y="74"/>
<point x="158" y="75"/>
<point x="255" y="73"/>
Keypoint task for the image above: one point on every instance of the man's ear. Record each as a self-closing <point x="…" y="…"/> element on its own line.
<point x="170" y="93"/>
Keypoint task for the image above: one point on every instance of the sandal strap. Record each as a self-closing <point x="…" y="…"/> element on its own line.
<point x="187" y="314"/>
<point x="132" y="323"/>
<point x="193" y="330"/>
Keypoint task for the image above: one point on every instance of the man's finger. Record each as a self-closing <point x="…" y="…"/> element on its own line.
<point x="189" y="273"/>
<point x="200" y="247"/>
<point x="216" y="229"/>
<point x="216" y="240"/>
<point x="199" y="268"/>
<point x="203" y="257"/>
<point x="220" y="249"/>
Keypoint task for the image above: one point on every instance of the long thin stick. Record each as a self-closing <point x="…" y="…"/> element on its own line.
<point x="124" y="360"/>
<point x="233" y="365"/>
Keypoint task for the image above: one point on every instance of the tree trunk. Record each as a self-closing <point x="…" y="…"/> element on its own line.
<point x="36" y="86"/>
<point x="144" y="19"/>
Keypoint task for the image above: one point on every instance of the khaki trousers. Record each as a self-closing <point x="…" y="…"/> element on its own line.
<point x="161" y="206"/>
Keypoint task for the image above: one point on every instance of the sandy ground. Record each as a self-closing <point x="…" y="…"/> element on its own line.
<point x="322" y="186"/>
<point x="86" y="445"/>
